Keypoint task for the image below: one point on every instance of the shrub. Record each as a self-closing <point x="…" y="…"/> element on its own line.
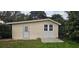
<point x="5" y="31"/>
<point x="75" y="36"/>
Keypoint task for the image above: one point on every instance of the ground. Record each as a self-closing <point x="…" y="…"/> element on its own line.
<point x="36" y="44"/>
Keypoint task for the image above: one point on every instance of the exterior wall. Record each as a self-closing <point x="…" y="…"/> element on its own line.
<point x="36" y="30"/>
<point x="17" y="31"/>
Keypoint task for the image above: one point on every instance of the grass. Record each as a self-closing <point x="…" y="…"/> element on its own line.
<point x="36" y="44"/>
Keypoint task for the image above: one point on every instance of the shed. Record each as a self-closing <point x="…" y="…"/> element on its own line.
<point x="45" y="29"/>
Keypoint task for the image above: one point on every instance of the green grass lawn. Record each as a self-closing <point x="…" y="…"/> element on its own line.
<point x="36" y="44"/>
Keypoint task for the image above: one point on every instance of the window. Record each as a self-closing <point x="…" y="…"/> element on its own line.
<point x="26" y="28"/>
<point x="50" y="27"/>
<point x="45" y="27"/>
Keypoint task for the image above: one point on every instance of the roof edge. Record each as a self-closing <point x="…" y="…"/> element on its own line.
<point x="19" y="22"/>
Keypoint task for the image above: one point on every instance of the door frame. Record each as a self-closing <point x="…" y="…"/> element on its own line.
<point x="28" y="32"/>
<point x="47" y="34"/>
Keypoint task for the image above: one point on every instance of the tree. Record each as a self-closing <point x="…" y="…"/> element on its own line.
<point x="5" y="15"/>
<point x="37" y="15"/>
<point x="10" y="16"/>
<point x="73" y="25"/>
<point x="20" y="17"/>
<point x="59" y="18"/>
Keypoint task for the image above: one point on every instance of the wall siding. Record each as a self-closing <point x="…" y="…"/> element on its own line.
<point x="36" y="30"/>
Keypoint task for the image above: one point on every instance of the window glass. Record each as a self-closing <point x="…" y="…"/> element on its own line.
<point x="50" y="27"/>
<point x="45" y="27"/>
<point x="26" y="28"/>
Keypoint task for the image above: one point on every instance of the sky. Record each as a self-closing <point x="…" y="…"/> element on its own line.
<point x="50" y="13"/>
<point x="64" y="14"/>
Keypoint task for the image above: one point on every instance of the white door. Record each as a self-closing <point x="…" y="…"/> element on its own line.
<point x="48" y="31"/>
<point x="26" y="33"/>
<point x="48" y="35"/>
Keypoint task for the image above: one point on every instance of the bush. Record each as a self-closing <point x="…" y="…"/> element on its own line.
<point x="75" y="36"/>
<point x="5" y="31"/>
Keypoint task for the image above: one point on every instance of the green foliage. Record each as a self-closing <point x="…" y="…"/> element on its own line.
<point x="5" y="31"/>
<point x="73" y="25"/>
<point x="58" y="18"/>
<point x="12" y="16"/>
<point x="37" y="15"/>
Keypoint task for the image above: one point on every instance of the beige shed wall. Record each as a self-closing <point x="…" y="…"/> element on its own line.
<point x="36" y="30"/>
<point x="17" y="32"/>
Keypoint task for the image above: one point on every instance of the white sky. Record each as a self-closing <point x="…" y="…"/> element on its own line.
<point x="49" y="13"/>
<point x="64" y="14"/>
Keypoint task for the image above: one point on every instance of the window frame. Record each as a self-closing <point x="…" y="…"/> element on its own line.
<point x="45" y="27"/>
<point x="50" y="27"/>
